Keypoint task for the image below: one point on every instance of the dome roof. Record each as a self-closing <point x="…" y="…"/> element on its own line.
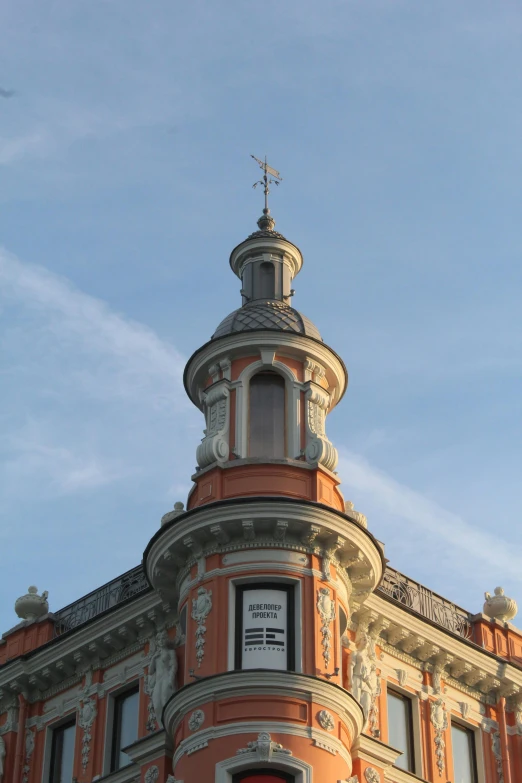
<point x="271" y="315"/>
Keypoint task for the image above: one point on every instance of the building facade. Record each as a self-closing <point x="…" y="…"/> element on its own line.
<point x="264" y="638"/>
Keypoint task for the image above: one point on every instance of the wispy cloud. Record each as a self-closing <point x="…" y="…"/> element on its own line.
<point x="428" y="538"/>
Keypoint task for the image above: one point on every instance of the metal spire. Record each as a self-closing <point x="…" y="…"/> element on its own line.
<point x="267" y="180"/>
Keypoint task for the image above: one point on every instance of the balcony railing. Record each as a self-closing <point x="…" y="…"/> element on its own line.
<point x="128" y="585"/>
<point x="400" y="588"/>
<point x="426" y="603"/>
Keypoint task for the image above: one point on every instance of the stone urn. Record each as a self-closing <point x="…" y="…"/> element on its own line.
<point x="499" y="606"/>
<point x="32" y="606"/>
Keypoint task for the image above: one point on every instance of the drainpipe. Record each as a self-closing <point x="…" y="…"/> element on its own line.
<point x="19" y="753"/>
<point x="506" y="766"/>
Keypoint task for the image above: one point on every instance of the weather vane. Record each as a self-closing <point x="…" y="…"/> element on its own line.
<point x="270" y="177"/>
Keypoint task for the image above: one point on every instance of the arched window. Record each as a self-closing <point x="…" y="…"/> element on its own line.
<point x="263" y="776"/>
<point x="266" y="281"/>
<point x="267" y="416"/>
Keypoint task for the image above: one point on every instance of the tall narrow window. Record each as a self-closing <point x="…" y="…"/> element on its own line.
<point x="265" y="626"/>
<point x="62" y="753"/>
<point x="400" y="729"/>
<point x="263" y="776"/>
<point x="125" y="727"/>
<point x="267" y="281"/>
<point x="267" y="416"/>
<point x="464" y="755"/>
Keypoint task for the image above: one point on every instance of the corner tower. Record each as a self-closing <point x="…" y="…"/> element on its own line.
<point x="267" y="562"/>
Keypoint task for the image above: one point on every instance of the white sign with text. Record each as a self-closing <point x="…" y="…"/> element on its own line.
<point x="265" y="629"/>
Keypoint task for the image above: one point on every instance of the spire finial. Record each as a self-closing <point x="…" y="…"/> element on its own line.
<point x="266" y="221"/>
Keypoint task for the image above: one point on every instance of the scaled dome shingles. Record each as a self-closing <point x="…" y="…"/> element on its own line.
<point x="269" y="315"/>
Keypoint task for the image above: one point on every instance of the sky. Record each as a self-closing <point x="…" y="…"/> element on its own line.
<point x="126" y="130"/>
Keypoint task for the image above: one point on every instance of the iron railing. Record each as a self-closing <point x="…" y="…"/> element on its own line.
<point x="426" y="603"/>
<point x="395" y="585"/>
<point x="128" y="585"/>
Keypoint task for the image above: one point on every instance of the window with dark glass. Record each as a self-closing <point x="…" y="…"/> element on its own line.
<point x="267" y="416"/>
<point x="267" y="280"/>
<point x="265" y="626"/>
<point x="263" y="776"/>
<point x="400" y="729"/>
<point x="62" y="753"/>
<point x="464" y="754"/>
<point x="124" y="727"/>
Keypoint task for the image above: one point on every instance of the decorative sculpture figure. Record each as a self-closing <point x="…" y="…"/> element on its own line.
<point x="2" y="757"/>
<point x="364" y="672"/>
<point x="162" y="673"/>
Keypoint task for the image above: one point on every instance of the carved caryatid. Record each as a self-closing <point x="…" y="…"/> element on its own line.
<point x="318" y="447"/>
<point x="216" y="405"/>
<point x="161" y="680"/>
<point x="364" y="677"/>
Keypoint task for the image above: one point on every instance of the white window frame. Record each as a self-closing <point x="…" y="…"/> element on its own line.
<point x="302" y="771"/>
<point x="418" y="759"/>
<point x="298" y="604"/>
<point x="478" y="737"/>
<point x="109" y="720"/>
<point x="48" y="746"/>
<point x="292" y="405"/>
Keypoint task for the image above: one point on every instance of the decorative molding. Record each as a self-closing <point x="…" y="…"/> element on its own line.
<point x="196" y="720"/>
<point x="326" y="610"/>
<point x="319" y="742"/>
<point x="319" y="450"/>
<point x="402" y="676"/>
<point x="365" y="682"/>
<point x="497" y="753"/>
<point x="353" y="779"/>
<point x="29" y="748"/>
<point x="87" y="711"/>
<point x="195" y="746"/>
<point x="216" y="406"/>
<point x="201" y="608"/>
<point x="152" y="774"/>
<point x="439" y="720"/>
<point x="326" y="720"/>
<point x="264" y="748"/>
<point x="371" y="775"/>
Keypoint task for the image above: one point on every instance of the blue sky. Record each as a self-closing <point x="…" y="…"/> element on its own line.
<point x="125" y="181"/>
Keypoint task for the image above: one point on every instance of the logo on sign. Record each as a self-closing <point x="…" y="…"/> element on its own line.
<point x="274" y="637"/>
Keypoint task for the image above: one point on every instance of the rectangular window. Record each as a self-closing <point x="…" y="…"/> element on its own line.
<point x="62" y="753"/>
<point x="400" y="729"/>
<point x="265" y="627"/>
<point x="464" y="754"/>
<point x="124" y="727"/>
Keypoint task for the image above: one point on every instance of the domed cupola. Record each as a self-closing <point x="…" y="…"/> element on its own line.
<point x="265" y="382"/>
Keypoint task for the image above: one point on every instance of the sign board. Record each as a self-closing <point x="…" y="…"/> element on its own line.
<point x="265" y="629"/>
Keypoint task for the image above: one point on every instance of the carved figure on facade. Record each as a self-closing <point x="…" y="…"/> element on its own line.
<point x="497" y="753"/>
<point x="161" y="679"/>
<point x="353" y="779"/>
<point x="32" y="606"/>
<point x="264" y="747"/>
<point x="152" y="774"/>
<point x="326" y="720"/>
<point x="364" y="678"/>
<point x="357" y="515"/>
<point x="499" y="606"/>
<point x="215" y="447"/>
<point x="326" y="609"/>
<point x="2" y="757"/>
<point x="87" y="711"/>
<point x="439" y="720"/>
<point x="371" y="775"/>
<point x="318" y="449"/>
<point x="29" y="748"/>
<point x="196" y="720"/>
<point x="201" y="608"/>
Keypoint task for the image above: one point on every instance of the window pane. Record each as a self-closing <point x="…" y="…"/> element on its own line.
<point x="267" y="416"/>
<point x="463" y="743"/>
<point x="267" y="280"/>
<point x="63" y="754"/>
<point x="125" y="727"/>
<point x="400" y="729"/>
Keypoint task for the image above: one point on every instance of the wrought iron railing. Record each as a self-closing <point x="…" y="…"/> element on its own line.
<point x="126" y="586"/>
<point x="426" y="603"/>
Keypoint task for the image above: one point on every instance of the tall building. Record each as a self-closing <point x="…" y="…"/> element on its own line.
<point x="264" y="638"/>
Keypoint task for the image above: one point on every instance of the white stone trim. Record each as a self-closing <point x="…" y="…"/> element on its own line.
<point x="479" y="736"/>
<point x="418" y="754"/>
<point x="226" y="769"/>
